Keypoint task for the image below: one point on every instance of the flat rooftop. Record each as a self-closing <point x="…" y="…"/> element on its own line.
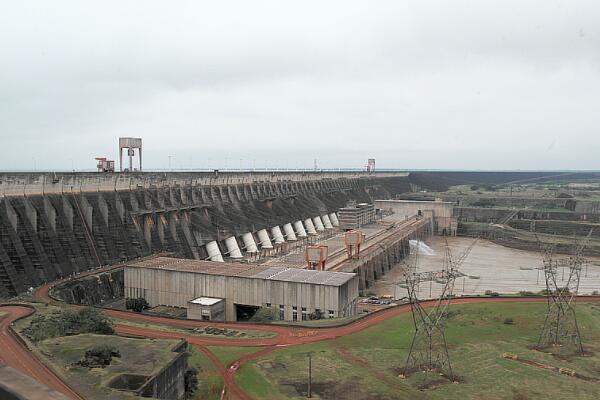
<point x="240" y="270"/>
<point x="415" y="201"/>
<point x="206" y="301"/>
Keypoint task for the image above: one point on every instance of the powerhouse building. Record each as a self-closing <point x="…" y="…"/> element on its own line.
<point x="231" y="291"/>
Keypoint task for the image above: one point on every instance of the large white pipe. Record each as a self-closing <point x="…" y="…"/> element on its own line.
<point x="249" y="243"/>
<point x="277" y="235"/>
<point x="299" y="228"/>
<point x="334" y="219"/>
<point x="326" y="221"/>
<point x="318" y="224"/>
<point x="212" y="248"/>
<point x="310" y="228"/>
<point x="232" y="247"/>
<point x="264" y="239"/>
<point x="289" y="232"/>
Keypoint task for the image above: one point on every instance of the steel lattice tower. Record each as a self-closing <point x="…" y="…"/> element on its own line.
<point x="560" y="330"/>
<point x="429" y="351"/>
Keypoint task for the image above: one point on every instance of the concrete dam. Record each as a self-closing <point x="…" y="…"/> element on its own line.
<point x="54" y="225"/>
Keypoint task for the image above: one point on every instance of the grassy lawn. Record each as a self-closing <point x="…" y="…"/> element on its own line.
<point x="228" y="355"/>
<point x="236" y="333"/>
<point x="325" y="322"/>
<point x="210" y="382"/>
<point x="366" y="365"/>
<point x="138" y="356"/>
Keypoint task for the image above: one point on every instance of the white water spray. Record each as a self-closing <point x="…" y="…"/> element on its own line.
<point x="422" y="248"/>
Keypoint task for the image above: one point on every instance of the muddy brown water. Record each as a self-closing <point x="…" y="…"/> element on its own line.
<point x="489" y="266"/>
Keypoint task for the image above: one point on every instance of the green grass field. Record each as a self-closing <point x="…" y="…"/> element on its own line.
<point x="228" y="355"/>
<point x="210" y="383"/>
<point x="195" y="331"/>
<point x="366" y="365"/>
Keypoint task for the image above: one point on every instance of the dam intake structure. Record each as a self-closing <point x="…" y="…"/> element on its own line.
<point x="53" y="225"/>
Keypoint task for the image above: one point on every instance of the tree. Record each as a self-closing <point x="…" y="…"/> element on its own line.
<point x="265" y="315"/>
<point x="64" y="323"/>
<point x="318" y="314"/>
<point x="136" y="304"/>
<point x="99" y="356"/>
<point x="190" y="379"/>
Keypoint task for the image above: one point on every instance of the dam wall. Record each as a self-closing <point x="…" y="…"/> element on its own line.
<point x="24" y="183"/>
<point x="49" y="234"/>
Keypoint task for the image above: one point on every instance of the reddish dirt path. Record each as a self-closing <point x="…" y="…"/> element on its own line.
<point x="286" y="336"/>
<point x="14" y="353"/>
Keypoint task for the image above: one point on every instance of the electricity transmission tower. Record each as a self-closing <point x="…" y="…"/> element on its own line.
<point x="560" y="330"/>
<point x="429" y="351"/>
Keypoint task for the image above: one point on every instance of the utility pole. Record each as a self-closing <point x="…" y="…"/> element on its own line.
<point x="309" y="395"/>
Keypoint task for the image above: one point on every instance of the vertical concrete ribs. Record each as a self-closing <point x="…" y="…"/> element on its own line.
<point x="48" y="234"/>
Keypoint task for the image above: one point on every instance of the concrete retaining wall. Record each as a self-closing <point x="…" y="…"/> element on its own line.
<point x="169" y="382"/>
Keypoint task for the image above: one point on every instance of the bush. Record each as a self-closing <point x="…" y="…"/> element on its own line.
<point x="564" y="291"/>
<point x="490" y="293"/>
<point x="526" y="293"/>
<point x="265" y="315"/>
<point x="508" y="321"/>
<point x="136" y="304"/>
<point x="99" y="356"/>
<point x="318" y="314"/>
<point x="190" y="379"/>
<point x="595" y="293"/>
<point x="547" y="292"/>
<point x="65" y="323"/>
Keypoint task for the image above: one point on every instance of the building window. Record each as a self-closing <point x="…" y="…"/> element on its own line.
<point x="331" y="314"/>
<point x="281" y="312"/>
<point x="304" y="315"/>
<point x="294" y="313"/>
<point x="268" y="305"/>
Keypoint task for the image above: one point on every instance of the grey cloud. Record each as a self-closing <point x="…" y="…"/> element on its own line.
<point x="416" y="84"/>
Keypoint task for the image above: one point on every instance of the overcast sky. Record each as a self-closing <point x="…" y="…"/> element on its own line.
<point x="415" y="84"/>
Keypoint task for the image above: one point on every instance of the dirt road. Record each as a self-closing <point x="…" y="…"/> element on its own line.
<point x="14" y="353"/>
<point x="17" y="355"/>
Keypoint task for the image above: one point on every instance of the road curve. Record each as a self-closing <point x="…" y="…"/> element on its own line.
<point x="14" y="353"/>
<point x="21" y="358"/>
